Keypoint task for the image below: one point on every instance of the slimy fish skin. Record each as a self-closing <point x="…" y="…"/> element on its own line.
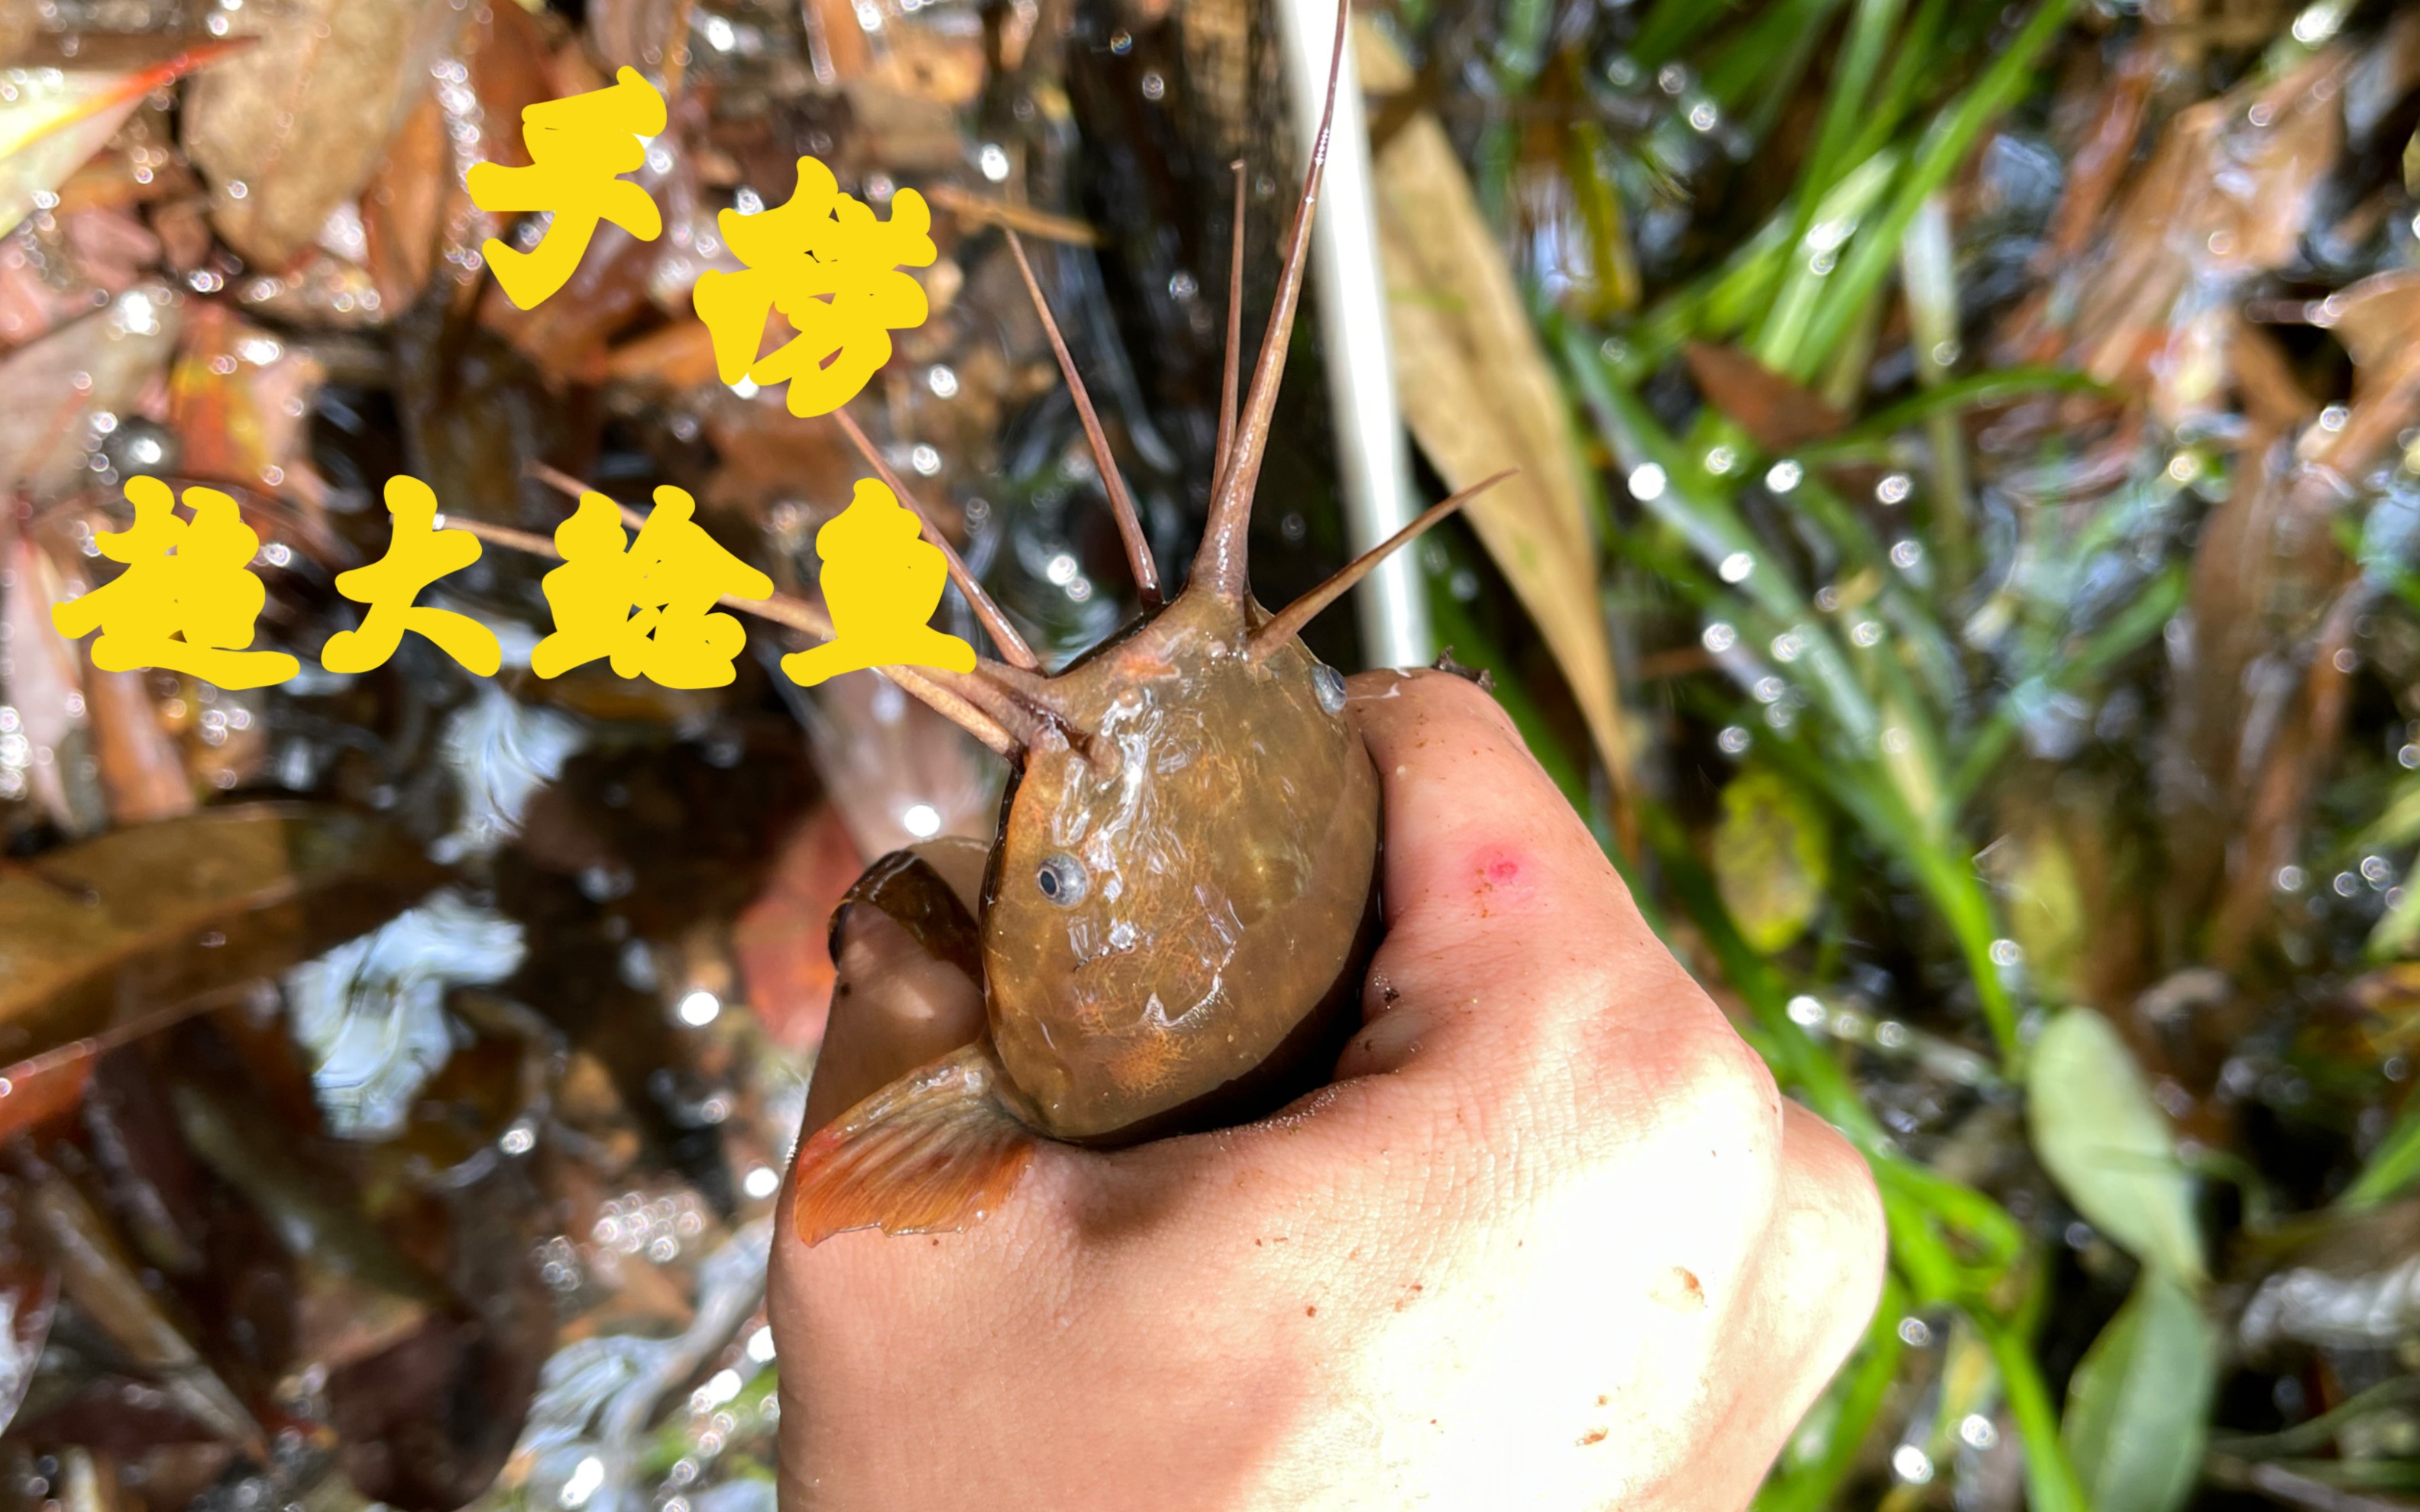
<point x="1175" y="917"/>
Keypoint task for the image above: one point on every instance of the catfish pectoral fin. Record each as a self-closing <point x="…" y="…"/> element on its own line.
<point x="934" y="1152"/>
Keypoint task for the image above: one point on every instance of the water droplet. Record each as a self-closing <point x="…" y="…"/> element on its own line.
<point x="1647" y="482"/>
<point x="1894" y="488"/>
<point x="1736" y="568"/>
<point x="1719" y="637"/>
<point x="1735" y="739"/>
<point x="941" y="380"/>
<point x="1783" y="476"/>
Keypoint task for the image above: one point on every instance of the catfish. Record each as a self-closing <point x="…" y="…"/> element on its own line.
<point x="1174" y="919"/>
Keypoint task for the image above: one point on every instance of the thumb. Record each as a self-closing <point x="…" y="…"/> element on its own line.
<point x="909" y="986"/>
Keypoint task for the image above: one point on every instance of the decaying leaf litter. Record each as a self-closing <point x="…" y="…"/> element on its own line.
<point x="1964" y="563"/>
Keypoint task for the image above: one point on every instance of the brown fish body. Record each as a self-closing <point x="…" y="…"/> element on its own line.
<point x="1166" y="907"/>
<point x="1183" y="895"/>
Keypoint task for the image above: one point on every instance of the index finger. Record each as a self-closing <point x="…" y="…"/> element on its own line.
<point x="1496" y="893"/>
<point x="1476" y="833"/>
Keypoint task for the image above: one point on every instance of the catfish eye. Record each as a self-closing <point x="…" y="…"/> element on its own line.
<point x="1061" y="878"/>
<point x="1330" y="684"/>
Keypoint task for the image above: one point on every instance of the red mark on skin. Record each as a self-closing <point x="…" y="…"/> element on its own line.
<point x="1499" y="868"/>
<point x="1591" y="1436"/>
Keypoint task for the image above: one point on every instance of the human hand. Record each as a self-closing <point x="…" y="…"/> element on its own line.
<point x="1551" y="1238"/>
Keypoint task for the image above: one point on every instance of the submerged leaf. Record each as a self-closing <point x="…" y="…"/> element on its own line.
<point x="2136" y="1406"/>
<point x="293" y="128"/>
<point x="2108" y="1145"/>
<point x="53" y="117"/>
<point x="29" y="1294"/>
<point x="106" y="939"/>
<point x="1770" y="857"/>
<point x="53" y="390"/>
<point x="41" y="678"/>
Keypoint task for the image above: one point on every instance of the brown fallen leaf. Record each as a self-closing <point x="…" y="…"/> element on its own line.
<point x="64" y="108"/>
<point x="41" y="677"/>
<point x="101" y="1278"/>
<point x="29" y="1294"/>
<point x="1480" y="396"/>
<point x="183" y="228"/>
<point x="31" y="304"/>
<point x="1780" y="414"/>
<point x="239" y="397"/>
<point x="2226" y="195"/>
<point x="2105" y="152"/>
<point x="51" y="390"/>
<point x="567" y="335"/>
<point x="417" y="217"/>
<point x="107" y="939"/>
<point x="141" y="771"/>
<point x="678" y="356"/>
<point x="290" y="129"/>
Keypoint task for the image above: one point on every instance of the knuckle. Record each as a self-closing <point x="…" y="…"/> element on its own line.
<point x="1716" y="1093"/>
<point x="1838" y="1212"/>
<point x="1853" y="1207"/>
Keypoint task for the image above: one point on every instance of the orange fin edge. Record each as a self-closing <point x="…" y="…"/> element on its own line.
<point x="933" y="1152"/>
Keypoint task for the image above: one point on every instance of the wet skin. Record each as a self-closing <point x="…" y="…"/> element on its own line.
<point x="1168" y="902"/>
<point x="1551" y="1240"/>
